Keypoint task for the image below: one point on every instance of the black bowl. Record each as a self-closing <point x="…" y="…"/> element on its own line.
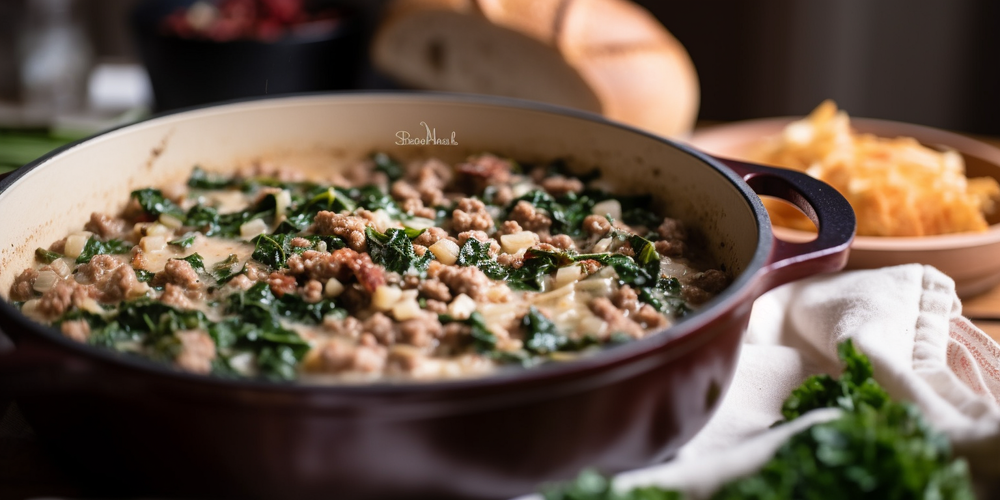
<point x="188" y="72"/>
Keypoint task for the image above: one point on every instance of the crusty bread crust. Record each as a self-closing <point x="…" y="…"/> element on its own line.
<point x="608" y="56"/>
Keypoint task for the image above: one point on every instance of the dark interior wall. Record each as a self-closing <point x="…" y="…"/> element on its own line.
<point x="925" y="61"/>
<point x="935" y="62"/>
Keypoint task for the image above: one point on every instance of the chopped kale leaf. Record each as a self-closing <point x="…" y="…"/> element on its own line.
<point x="268" y="251"/>
<point x="537" y="265"/>
<point x="541" y="334"/>
<point x="477" y="253"/>
<point x="197" y="263"/>
<point x="154" y="203"/>
<point x="665" y="297"/>
<point x="46" y="256"/>
<point x="387" y="165"/>
<point x="210" y="222"/>
<point x="483" y="340"/>
<point x="144" y="276"/>
<point x="201" y="179"/>
<point x="185" y="241"/>
<point x="394" y="250"/>
<point x="224" y="270"/>
<point x="95" y="246"/>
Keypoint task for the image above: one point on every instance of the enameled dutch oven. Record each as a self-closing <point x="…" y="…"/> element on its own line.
<point x="130" y="426"/>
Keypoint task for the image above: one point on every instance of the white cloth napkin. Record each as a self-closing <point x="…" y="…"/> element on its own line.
<point x="907" y="319"/>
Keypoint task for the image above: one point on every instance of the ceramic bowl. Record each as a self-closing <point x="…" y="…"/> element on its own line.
<point x="971" y="259"/>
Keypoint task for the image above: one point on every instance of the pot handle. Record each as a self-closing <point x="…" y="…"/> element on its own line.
<point x="826" y="207"/>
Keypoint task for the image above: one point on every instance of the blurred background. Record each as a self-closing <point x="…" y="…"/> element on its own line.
<point x="69" y="68"/>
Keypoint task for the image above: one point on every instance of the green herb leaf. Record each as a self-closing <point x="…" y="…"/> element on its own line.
<point x="373" y="198"/>
<point x="95" y="246"/>
<point x="877" y="449"/>
<point x="665" y="297"/>
<point x="197" y="263"/>
<point x="390" y="167"/>
<point x="268" y="251"/>
<point x="591" y="485"/>
<point x="567" y="213"/>
<point x="274" y="250"/>
<point x="210" y="222"/>
<point x="854" y="388"/>
<point x="537" y="265"/>
<point x="541" y="335"/>
<point x="394" y="251"/>
<point x="483" y="340"/>
<point x="477" y="253"/>
<point x="296" y="308"/>
<point x="46" y="256"/>
<point x="201" y="179"/>
<point x="154" y="203"/>
<point x="185" y="241"/>
<point x="224" y="270"/>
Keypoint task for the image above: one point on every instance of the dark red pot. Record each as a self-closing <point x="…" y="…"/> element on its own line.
<point x="134" y="427"/>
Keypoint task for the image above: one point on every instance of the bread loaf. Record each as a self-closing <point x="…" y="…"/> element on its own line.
<point x="606" y="56"/>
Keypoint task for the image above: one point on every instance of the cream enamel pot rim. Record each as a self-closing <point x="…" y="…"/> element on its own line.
<point x="641" y="401"/>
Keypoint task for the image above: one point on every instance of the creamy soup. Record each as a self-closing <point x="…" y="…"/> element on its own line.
<point x="386" y="271"/>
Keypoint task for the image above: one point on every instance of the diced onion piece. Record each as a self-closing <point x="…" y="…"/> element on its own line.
<point x="509" y="344"/>
<point x="502" y="313"/>
<point x="170" y="221"/>
<point x="608" y="207"/>
<point x="91" y="305"/>
<point x="253" y="229"/>
<point x="592" y="325"/>
<point x="515" y="242"/>
<point x="557" y="294"/>
<point x="382" y="221"/>
<point x="61" y="267"/>
<point x="30" y="308"/>
<point x="521" y="189"/>
<point x="157" y="229"/>
<point x="242" y="363"/>
<point x="462" y="307"/>
<point x="445" y="251"/>
<point x="152" y="243"/>
<point x="406" y="309"/>
<point x="602" y="246"/>
<point x="606" y="272"/>
<point x="498" y="293"/>
<point x="385" y="297"/>
<point x="281" y="202"/>
<point x="320" y="246"/>
<point x="598" y="287"/>
<point x="45" y="281"/>
<point x="420" y="223"/>
<point x="138" y="290"/>
<point x="567" y="275"/>
<point x="333" y="288"/>
<point x="75" y="243"/>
